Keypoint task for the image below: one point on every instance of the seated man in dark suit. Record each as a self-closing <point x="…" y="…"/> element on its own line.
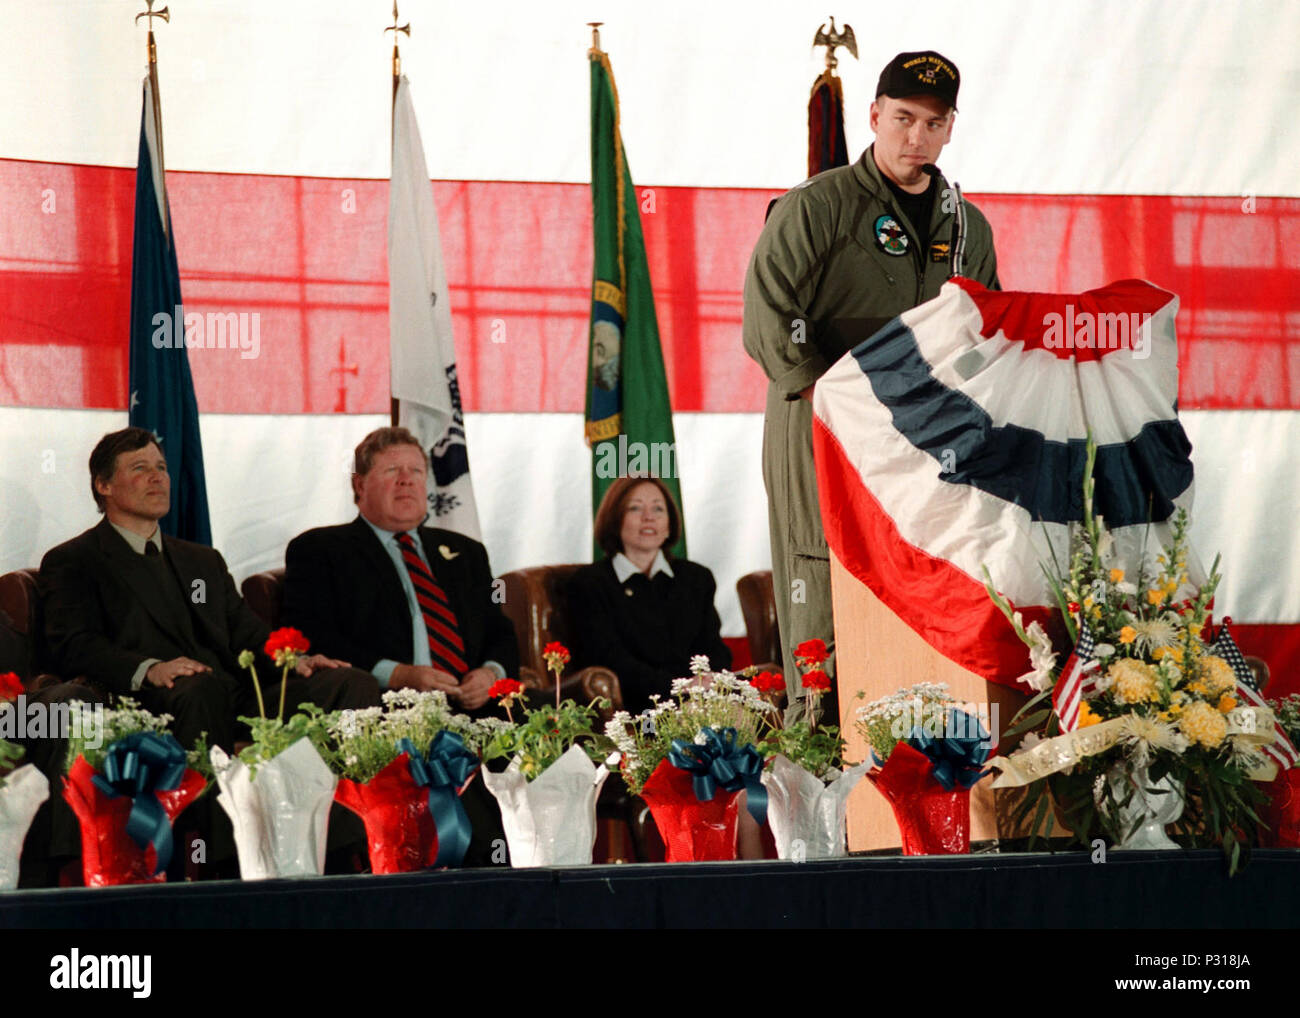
<point x="159" y="619"/>
<point x="410" y="603"/>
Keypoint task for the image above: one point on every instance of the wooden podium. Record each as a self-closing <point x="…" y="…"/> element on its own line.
<point x="877" y="653"/>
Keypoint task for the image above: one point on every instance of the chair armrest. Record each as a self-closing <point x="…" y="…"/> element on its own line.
<point x="600" y="681"/>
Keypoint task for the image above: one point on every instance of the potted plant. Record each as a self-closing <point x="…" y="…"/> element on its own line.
<point x="547" y="791"/>
<point x="928" y="756"/>
<point x="690" y="757"/>
<point x="807" y="779"/>
<point x="278" y="790"/>
<point x="22" y="789"/>
<point x="127" y="780"/>
<point x="403" y="767"/>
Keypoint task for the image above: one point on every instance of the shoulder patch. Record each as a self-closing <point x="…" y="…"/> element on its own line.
<point x="890" y="236"/>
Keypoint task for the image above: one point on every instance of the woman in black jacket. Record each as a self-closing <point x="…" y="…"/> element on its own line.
<point x="639" y="611"/>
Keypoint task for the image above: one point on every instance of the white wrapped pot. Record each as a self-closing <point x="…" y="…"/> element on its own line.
<point x="25" y="788"/>
<point x="550" y="821"/>
<point x="281" y="815"/>
<point x="806" y="813"/>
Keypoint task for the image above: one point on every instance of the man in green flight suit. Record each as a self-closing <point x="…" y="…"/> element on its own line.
<point x="842" y="254"/>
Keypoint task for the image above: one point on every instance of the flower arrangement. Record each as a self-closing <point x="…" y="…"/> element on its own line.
<point x="930" y="755"/>
<point x="713" y="700"/>
<point x="543" y="735"/>
<point x="926" y="718"/>
<point x="404" y="766"/>
<point x="819" y="749"/>
<point x="93" y="731"/>
<point x="366" y="740"/>
<point x="127" y="781"/>
<point x="547" y="792"/>
<point x="1159" y="713"/>
<point x="691" y="756"/>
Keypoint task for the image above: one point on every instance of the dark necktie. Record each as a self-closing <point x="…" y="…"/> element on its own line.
<point x="150" y="548"/>
<point x="446" y="648"/>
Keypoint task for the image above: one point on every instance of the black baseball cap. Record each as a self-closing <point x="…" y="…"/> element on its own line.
<point x="924" y="73"/>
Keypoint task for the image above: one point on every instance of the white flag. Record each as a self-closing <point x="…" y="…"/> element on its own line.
<point x="421" y="348"/>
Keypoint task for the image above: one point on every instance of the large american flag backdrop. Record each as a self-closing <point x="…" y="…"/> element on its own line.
<point x="1098" y="151"/>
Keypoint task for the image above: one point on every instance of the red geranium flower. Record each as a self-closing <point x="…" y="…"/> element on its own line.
<point x="768" y="682"/>
<point x="505" y="687"/>
<point x="817" y="680"/>
<point x="283" y="642"/>
<point x="811" y="652"/>
<point x="11" y="686"/>
<point x="556" y="650"/>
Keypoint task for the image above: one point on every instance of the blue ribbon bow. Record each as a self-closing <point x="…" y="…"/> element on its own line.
<point x="138" y="765"/>
<point x="956" y="756"/>
<point x="447" y="767"/>
<point x="719" y="762"/>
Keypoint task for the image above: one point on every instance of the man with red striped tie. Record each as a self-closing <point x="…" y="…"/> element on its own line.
<point x="411" y="604"/>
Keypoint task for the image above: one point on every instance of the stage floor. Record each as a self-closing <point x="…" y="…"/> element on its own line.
<point x="1013" y="891"/>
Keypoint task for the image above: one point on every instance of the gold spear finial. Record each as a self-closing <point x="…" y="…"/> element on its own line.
<point x="151" y="14"/>
<point x="832" y="39"/>
<point x="595" y="35"/>
<point x="396" y="29"/>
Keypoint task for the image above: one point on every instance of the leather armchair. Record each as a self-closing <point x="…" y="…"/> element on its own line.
<point x="537" y="604"/>
<point x="264" y="593"/>
<point x="758" y="607"/>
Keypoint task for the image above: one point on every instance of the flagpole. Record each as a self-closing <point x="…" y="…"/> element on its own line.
<point x="397" y="29"/>
<point x="157" y="100"/>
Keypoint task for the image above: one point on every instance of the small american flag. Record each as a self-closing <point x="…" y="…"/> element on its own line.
<point x="1280" y="749"/>
<point x="1078" y="680"/>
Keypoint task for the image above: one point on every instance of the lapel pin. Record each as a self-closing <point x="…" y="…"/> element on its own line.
<point x="447" y="553"/>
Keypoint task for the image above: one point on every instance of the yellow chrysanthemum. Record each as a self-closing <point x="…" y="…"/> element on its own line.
<point x="1117" y="576"/>
<point x="1173" y="653"/>
<point x="1218" y="675"/>
<point x="1155" y="596"/>
<point x="1226" y="703"/>
<point x="1199" y="688"/>
<point x="1135" y="681"/>
<point x="1202" y="724"/>
<point x="1127" y="635"/>
<point x="1086" y="716"/>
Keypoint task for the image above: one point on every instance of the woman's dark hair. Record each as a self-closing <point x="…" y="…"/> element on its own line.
<point x="609" y="517"/>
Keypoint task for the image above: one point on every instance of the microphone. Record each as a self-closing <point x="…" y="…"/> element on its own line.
<point x="958" y="250"/>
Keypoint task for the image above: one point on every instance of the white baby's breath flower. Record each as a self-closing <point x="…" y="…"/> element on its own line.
<point x="700" y="665"/>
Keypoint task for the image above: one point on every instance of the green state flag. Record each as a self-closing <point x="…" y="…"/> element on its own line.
<point x="629" y="421"/>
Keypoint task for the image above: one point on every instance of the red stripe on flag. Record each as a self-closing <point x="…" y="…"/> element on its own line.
<point x="948" y="609"/>
<point x="307" y="255"/>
